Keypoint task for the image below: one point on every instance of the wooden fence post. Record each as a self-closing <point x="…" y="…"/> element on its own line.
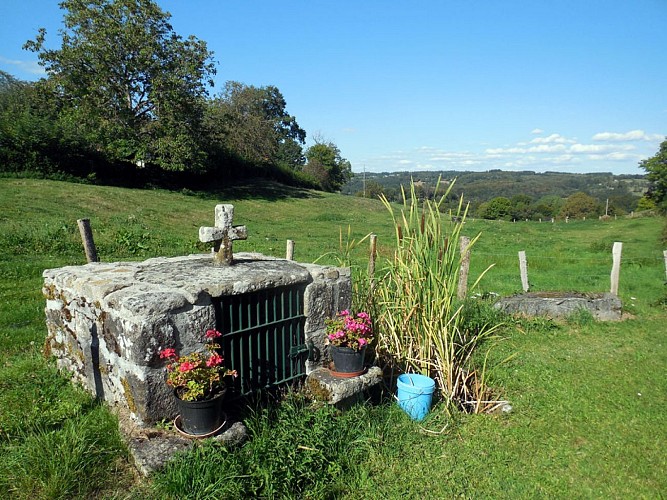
<point x="523" y="267"/>
<point x="290" y="250"/>
<point x="464" y="242"/>
<point x="616" y="266"/>
<point x="87" y="238"/>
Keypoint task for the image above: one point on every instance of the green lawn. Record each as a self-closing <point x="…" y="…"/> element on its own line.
<point x="589" y="400"/>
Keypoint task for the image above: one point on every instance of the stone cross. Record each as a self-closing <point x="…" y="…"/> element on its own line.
<point x="223" y="234"/>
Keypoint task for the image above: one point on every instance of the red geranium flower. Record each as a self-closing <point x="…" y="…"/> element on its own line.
<point x="214" y="360"/>
<point x="168" y="353"/>
<point x="198" y="375"/>
<point x="213" y="334"/>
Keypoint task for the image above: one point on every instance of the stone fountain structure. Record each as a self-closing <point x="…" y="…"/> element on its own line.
<point x="107" y="322"/>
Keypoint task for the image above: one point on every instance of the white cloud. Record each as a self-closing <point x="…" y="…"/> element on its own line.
<point x="632" y="135"/>
<point x="503" y="151"/>
<point x="542" y="148"/>
<point x="450" y="156"/>
<point x="547" y="148"/>
<point x="537" y="131"/>
<point x="554" y="152"/>
<point x="600" y="148"/>
<point x="613" y="157"/>
<point x="553" y="138"/>
<point x="31" y="67"/>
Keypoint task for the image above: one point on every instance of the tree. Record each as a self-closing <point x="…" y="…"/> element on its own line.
<point x="580" y="205"/>
<point x="498" y="208"/>
<point x="645" y="203"/>
<point x="549" y="206"/>
<point x="32" y="136"/>
<point x="656" y="166"/>
<point x="521" y="207"/>
<point x="252" y="124"/>
<point x="326" y="166"/>
<point x="373" y="190"/>
<point x="133" y="84"/>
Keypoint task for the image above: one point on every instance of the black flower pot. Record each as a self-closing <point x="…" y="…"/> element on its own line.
<point x="201" y="417"/>
<point x="346" y="359"/>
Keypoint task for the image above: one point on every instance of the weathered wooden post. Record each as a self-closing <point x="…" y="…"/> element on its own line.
<point x="87" y="238"/>
<point x="464" y="243"/>
<point x="523" y="267"/>
<point x="290" y="250"/>
<point x="616" y="266"/>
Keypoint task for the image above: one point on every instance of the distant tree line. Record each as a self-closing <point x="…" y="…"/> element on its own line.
<point x="125" y="96"/>
<point x="520" y="195"/>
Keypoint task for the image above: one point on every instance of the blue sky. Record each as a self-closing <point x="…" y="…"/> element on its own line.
<point x="569" y="86"/>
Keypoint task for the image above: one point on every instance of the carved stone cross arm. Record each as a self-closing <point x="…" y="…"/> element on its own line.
<point x="223" y="234"/>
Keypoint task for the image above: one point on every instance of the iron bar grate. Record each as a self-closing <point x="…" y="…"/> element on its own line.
<point x="263" y="337"/>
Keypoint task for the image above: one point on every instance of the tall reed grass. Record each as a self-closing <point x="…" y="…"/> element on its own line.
<point x="419" y="320"/>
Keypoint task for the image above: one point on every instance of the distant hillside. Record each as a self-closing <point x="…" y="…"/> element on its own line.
<point x="479" y="187"/>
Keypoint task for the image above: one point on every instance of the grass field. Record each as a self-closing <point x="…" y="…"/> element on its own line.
<point x="589" y="399"/>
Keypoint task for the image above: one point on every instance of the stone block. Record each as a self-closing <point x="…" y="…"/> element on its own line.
<point x="560" y="305"/>
<point x="342" y="392"/>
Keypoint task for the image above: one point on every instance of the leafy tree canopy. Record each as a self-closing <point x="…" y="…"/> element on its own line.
<point x="252" y="123"/>
<point x="581" y="205"/>
<point x="656" y="167"/>
<point x="326" y="165"/>
<point x="497" y="208"/>
<point x="32" y="134"/>
<point x="130" y="80"/>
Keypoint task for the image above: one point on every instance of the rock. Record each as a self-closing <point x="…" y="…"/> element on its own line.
<point x="602" y="306"/>
<point x="152" y="448"/>
<point x="342" y="392"/>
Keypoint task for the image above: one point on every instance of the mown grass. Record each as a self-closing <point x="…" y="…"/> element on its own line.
<point x="588" y="398"/>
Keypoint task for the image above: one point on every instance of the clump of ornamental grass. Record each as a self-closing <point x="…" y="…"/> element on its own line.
<point x="419" y="324"/>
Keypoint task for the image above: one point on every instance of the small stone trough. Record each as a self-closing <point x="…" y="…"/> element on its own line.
<point x="560" y="305"/>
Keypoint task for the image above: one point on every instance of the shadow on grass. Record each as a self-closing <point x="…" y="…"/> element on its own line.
<point x="253" y="189"/>
<point x="236" y="181"/>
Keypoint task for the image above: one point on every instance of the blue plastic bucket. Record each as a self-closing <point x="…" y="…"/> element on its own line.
<point x="415" y="393"/>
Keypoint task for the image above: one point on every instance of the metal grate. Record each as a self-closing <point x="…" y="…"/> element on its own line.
<point x="263" y="337"/>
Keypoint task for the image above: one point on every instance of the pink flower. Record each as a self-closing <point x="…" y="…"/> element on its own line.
<point x="214" y="360"/>
<point x="213" y="334"/>
<point x="186" y="366"/>
<point x="168" y="353"/>
<point x="346" y="329"/>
